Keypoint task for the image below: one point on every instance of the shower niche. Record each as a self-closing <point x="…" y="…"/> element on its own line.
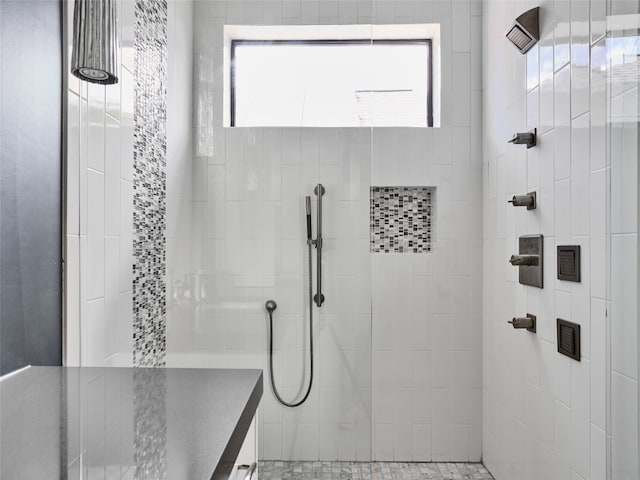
<point x="401" y="219"/>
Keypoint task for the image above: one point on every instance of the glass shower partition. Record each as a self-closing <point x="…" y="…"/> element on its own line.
<point x="249" y="241"/>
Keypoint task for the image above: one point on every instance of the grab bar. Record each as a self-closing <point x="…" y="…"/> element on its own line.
<point x="319" y="297"/>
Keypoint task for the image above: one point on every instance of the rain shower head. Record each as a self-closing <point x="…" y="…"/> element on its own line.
<point x="95" y="42"/>
<point x="525" y="31"/>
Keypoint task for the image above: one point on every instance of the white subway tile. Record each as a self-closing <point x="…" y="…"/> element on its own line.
<point x="562" y="453"/>
<point x="95" y="236"/>
<point x="461" y="110"/>
<point x="112" y="177"/>
<point x="126" y="236"/>
<point x="624" y="426"/>
<point x="547" y="97"/>
<point x="598" y="453"/>
<point x="562" y="96"/>
<point x="624" y="167"/>
<point x="580" y="425"/>
<point x="403" y="442"/>
<point x="93" y="330"/>
<point x="347" y="442"/>
<point x="598" y="377"/>
<point x="579" y="57"/>
<point x="272" y="447"/>
<point x="441" y="429"/>
<point x="563" y="211"/>
<point x="461" y="22"/>
<point x="533" y="67"/>
<point x="580" y="176"/>
<point x="562" y="33"/>
<point x="598" y="209"/>
<point x="422" y="443"/>
<point x="460" y="443"/>
<point x="73" y="166"/>
<point x="73" y="289"/>
<point x="383" y="442"/>
<point x="624" y="287"/>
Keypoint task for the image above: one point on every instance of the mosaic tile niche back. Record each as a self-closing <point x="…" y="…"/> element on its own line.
<point x="401" y="219"/>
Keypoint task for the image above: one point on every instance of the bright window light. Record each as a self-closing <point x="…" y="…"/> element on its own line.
<point x="331" y="83"/>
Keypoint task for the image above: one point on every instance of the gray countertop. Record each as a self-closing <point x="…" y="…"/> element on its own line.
<point x="143" y="423"/>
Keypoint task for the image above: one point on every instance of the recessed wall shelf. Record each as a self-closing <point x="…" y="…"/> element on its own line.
<point x="401" y="219"/>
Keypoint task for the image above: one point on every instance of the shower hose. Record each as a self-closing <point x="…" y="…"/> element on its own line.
<point x="271" y="306"/>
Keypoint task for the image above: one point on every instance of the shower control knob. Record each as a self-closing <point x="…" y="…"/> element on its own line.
<point x="524" y="260"/>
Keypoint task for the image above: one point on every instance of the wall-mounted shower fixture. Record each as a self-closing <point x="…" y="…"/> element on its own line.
<point x="529" y="260"/>
<point x="95" y="41"/>
<point x="528" y="322"/>
<point x="318" y="298"/>
<point x="530" y="139"/>
<point x="319" y="190"/>
<point x="526" y="260"/>
<point x="528" y="200"/>
<point x="568" y="263"/>
<point x="568" y="338"/>
<point x="525" y="31"/>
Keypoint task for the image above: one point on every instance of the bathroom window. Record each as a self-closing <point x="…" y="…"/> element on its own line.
<point x="331" y="82"/>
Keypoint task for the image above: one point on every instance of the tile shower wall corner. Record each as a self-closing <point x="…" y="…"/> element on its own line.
<point x="102" y="181"/>
<point x="99" y="213"/>
<point x="415" y="394"/>
<point x="532" y="396"/>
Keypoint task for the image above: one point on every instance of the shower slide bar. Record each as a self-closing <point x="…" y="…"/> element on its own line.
<point x="319" y="190"/>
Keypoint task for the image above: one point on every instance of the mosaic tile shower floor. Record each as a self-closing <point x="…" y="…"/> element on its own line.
<point x="276" y="470"/>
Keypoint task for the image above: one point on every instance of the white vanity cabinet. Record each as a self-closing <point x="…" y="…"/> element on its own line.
<point x="246" y="467"/>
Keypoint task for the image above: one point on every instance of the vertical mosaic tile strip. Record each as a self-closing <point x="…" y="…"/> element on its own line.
<point x="149" y="184"/>
<point x="401" y="220"/>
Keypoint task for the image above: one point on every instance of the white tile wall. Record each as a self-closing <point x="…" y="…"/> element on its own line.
<point x="180" y="168"/>
<point x="414" y="395"/>
<point x="624" y="110"/>
<point x="99" y="256"/>
<point x="545" y="416"/>
<point x="426" y="309"/>
<point x="405" y="383"/>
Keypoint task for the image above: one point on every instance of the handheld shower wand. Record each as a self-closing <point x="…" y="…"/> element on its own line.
<point x="308" y="205"/>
